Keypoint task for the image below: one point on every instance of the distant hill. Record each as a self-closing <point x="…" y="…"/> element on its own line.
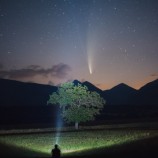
<point x="120" y="95"/>
<point x="15" y="93"/>
<point x="148" y="94"/>
<point x="91" y="87"/>
<point x="76" y="82"/>
<point x="25" y="103"/>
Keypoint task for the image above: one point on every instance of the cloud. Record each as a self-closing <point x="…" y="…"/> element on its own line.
<point x="58" y="71"/>
<point x="154" y="75"/>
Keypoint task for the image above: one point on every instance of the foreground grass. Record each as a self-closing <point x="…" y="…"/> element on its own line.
<point x="71" y="143"/>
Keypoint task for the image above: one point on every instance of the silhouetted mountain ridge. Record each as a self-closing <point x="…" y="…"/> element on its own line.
<point x="150" y="86"/>
<point x="119" y="95"/>
<point x="122" y="86"/>
<point x="76" y="82"/>
<point x="91" y="87"/>
<point x="26" y="103"/>
<point x="14" y="93"/>
<point x="148" y="94"/>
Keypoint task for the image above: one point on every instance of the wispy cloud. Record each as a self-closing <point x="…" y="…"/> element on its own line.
<point x="154" y="75"/>
<point x="58" y="71"/>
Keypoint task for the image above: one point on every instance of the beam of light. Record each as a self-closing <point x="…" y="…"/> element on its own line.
<point x="57" y="137"/>
<point x="59" y="124"/>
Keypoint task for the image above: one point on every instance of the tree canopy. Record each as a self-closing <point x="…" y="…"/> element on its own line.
<point x="77" y="102"/>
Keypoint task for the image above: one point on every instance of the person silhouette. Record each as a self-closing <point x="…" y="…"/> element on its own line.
<point x="56" y="153"/>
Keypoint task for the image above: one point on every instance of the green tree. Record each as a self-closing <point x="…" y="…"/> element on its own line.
<point x="77" y="103"/>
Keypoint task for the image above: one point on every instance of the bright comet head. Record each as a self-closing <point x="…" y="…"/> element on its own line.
<point x="90" y="70"/>
<point x="90" y="67"/>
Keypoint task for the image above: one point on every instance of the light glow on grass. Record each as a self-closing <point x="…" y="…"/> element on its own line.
<point x="71" y="151"/>
<point x="73" y="143"/>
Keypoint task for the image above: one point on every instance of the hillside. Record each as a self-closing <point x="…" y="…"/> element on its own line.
<point x="26" y="103"/>
<point x="15" y="93"/>
<point x="148" y="94"/>
<point x="121" y="94"/>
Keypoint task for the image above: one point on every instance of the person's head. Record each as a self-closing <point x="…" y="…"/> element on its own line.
<point x="56" y="146"/>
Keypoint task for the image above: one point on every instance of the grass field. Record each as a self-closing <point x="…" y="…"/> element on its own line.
<point x="72" y="143"/>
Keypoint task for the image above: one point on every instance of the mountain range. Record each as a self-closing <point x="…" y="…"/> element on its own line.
<point x="25" y="104"/>
<point x="15" y="93"/>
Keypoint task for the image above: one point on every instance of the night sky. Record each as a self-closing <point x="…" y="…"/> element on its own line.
<point x="105" y="42"/>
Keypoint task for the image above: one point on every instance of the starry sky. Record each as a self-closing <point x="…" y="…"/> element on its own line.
<point x="105" y="42"/>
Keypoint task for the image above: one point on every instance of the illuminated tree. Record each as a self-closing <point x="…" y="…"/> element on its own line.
<point x="77" y="103"/>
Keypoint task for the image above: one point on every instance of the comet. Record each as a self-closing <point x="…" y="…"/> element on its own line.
<point x="91" y="50"/>
<point x="90" y="67"/>
<point x="90" y="59"/>
<point x="90" y="70"/>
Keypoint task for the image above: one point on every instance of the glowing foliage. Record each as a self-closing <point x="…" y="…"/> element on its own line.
<point x="77" y="103"/>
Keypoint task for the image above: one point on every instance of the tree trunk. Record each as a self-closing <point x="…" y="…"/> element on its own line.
<point x="76" y="125"/>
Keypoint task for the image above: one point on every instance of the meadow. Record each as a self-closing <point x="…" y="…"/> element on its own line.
<point x="72" y="143"/>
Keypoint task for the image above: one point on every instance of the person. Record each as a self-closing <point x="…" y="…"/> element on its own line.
<point x="56" y="153"/>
